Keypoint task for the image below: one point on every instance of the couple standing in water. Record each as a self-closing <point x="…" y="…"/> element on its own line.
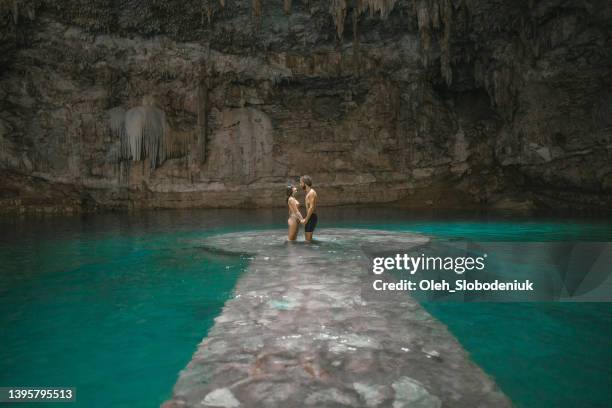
<point x="295" y="216"/>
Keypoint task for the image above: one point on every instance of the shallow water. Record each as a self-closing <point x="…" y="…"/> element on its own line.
<point x="115" y="304"/>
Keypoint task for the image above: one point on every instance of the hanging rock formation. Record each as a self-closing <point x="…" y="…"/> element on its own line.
<point x="427" y="103"/>
<point x="143" y="133"/>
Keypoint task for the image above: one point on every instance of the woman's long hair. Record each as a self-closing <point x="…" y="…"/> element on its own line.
<point x="289" y="192"/>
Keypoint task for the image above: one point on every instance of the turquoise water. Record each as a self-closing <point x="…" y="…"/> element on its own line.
<point x="115" y="305"/>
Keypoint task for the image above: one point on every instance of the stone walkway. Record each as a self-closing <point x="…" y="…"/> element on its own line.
<point x="302" y="331"/>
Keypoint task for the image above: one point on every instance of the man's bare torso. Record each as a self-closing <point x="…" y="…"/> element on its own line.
<point x="311" y="200"/>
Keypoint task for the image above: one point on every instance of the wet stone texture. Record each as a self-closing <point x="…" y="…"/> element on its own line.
<point x="299" y="333"/>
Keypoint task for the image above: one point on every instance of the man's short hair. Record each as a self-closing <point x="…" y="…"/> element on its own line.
<point x="307" y="180"/>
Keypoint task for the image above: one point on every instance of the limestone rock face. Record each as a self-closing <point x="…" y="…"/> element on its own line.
<point x="429" y="103"/>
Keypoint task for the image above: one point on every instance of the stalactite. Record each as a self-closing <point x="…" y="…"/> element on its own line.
<point x="31" y="12"/>
<point x="124" y="172"/>
<point x="434" y="18"/>
<point x="257" y="10"/>
<point x="202" y="118"/>
<point x="287" y="7"/>
<point x="503" y="89"/>
<point x="15" y="11"/>
<point x="207" y="10"/>
<point x="434" y="13"/>
<point x="356" y="36"/>
<point x="382" y="7"/>
<point x="446" y="15"/>
<point x="117" y="121"/>
<point x="143" y="132"/>
<point x="117" y="125"/>
<point x="337" y="9"/>
<point x="222" y="3"/>
<point x="423" y="20"/>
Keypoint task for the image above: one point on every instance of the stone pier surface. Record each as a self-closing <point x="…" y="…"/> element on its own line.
<point x="301" y="331"/>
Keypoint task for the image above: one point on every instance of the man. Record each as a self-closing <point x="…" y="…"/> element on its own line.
<point x="310" y="221"/>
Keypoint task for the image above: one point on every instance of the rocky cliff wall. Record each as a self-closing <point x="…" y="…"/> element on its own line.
<point x="202" y="103"/>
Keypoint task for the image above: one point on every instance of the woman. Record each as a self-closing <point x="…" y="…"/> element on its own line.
<point x="295" y="217"/>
